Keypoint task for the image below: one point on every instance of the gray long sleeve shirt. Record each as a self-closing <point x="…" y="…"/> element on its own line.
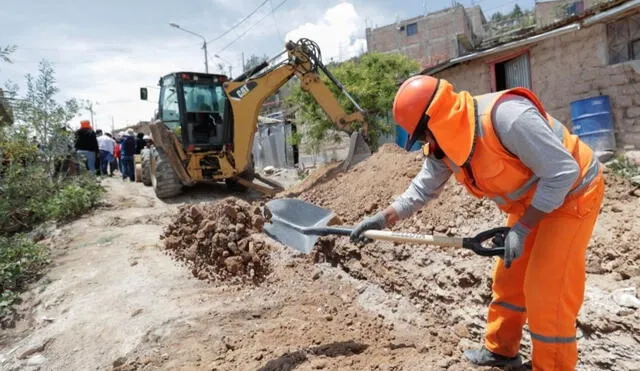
<point x="523" y="132"/>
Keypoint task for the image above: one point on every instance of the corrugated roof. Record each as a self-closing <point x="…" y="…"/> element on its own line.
<point x="590" y="16"/>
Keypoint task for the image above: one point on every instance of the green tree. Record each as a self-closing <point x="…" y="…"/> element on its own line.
<point x="6" y="52"/>
<point x="253" y="61"/>
<point x="497" y="17"/>
<point x="45" y="118"/>
<point x="372" y="80"/>
<point x="7" y="95"/>
<point x="516" y="12"/>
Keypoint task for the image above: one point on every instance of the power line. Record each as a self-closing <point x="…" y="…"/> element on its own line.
<point x="275" y="22"/>
<point x="250" y="27"/>
<point x="239" y="22"/>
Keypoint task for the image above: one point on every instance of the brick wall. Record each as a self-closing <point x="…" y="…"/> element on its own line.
<point x="435" y="42"/>
<point x="567" y="68"/>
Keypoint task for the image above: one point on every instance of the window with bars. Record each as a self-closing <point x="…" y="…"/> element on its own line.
<point x="623" y="38"/>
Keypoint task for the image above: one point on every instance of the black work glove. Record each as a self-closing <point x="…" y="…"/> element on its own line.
<point x="377" y="221"/>
<point x="514" y="243"/>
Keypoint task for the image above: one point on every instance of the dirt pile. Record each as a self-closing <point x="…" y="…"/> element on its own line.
<point x="451" y="287"/>
<point x="614" y="246"/>
<point x="373" y="184"/>
<point x="214" y="240"/>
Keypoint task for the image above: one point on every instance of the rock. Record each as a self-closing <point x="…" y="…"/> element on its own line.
<point x="636" y="180"/>
<point x="328" y="317"/>
<point x="318" y="364"/>
<point x="626" y="298"/>
<point x="442" y="228"/>
<point x="616" y="209"/>
<point x="42" y="231"/>
<point x="36" y="349"/>
<point x="119" y="362"/>
<point x="258" y="356"/>
<point x="316" y="275"/>
<point x="604" y="156"/>
<point x="461" y="330"/>
<point x="36" y="360"/>
<point x="269" y="170"/>
<point x="633" y="156"/>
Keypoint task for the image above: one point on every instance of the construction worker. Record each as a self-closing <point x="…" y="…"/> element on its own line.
<point x="504" y="146"/>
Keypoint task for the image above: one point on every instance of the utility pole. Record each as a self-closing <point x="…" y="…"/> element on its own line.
<point x="206" y="56"/>
<point x="204" y="44"/>
<point x="112" y="125"/>
<point x="243" y="69"/>
<point x="89" y="108"/>
<point x="228" y="63"/>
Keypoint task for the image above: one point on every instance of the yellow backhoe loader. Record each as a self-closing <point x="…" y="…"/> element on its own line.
<point x="205" y="124"/>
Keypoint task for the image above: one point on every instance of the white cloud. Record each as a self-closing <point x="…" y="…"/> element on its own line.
<point x="339" y="33"/>
<point x="108" y="67"/>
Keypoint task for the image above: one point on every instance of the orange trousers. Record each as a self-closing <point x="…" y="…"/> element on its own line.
<point x="545" y="286"/>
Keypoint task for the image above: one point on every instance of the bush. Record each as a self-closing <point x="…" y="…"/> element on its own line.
<point x="624" y="167"/>
<point x="73" y="199"/>
<point x="25" y="191"/>
<point x="30" y="197"/>
<point x="21" y="261"/>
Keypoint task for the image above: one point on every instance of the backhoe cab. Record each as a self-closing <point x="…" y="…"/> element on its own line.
<point x="205" y="124"/>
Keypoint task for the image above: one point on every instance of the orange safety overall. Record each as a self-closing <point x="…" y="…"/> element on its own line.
<point x="546" y="284"/>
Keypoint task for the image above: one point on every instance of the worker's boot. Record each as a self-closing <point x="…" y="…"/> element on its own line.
<point x="485" y="357"/>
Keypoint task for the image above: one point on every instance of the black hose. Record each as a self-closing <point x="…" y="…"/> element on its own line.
<point x="252" y="71"/>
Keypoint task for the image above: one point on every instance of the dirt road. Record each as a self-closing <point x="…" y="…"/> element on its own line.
<point x="114" y="300"/>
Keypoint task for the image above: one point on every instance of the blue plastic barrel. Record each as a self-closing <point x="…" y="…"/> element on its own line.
<point x="593" y="122"/>
<point x="402" y="137"/>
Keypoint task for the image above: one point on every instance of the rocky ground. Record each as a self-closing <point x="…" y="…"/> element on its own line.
<point x="141" y="284"/>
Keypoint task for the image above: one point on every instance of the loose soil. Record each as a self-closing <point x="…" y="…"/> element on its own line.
<point x="120" y="297"/>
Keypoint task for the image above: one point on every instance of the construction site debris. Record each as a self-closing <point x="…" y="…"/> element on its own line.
<point x="214" y="240"/>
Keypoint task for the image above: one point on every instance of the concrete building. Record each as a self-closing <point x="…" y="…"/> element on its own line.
<point x="596" y="53"/>
<point x="433" y="38"/>
<point x="551" y="11"/>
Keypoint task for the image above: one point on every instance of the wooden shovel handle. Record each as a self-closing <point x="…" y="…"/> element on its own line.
<point x="414" y="238"/>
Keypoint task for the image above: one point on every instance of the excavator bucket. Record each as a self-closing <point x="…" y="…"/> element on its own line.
<point x="358" y="151"/>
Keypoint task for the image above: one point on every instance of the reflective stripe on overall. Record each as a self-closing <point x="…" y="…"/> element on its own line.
<point x="545" y="286"/>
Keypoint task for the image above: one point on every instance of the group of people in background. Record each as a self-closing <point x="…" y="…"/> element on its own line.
<point x="102" y="153"/>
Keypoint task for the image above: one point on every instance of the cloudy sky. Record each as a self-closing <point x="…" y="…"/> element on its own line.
<point x="105" y="50"/>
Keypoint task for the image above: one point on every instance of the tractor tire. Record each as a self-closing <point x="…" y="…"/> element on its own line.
<point x="164" y="180"/>
<point x="146" y="166"/>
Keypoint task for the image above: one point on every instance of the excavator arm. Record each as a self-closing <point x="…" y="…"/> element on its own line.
<point x="248" y="92"/>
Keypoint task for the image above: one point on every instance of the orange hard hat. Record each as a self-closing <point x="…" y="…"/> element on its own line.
<point x="85" y="124"/>
<point x="411" y="103"/>
<point x="426" y="103"/>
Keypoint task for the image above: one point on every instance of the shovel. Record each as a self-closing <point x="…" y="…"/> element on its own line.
<point x="298" y="224"/>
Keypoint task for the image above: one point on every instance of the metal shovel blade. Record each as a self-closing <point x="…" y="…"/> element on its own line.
<point x="289" y="219"/>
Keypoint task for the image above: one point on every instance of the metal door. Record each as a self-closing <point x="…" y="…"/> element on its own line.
<point x="517" y="72"/>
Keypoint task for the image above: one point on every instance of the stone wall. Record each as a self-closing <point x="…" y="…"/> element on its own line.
<point x="567" y="68"/>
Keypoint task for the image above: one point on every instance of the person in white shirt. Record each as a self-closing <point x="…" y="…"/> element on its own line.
<point x="106" y="145"/>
